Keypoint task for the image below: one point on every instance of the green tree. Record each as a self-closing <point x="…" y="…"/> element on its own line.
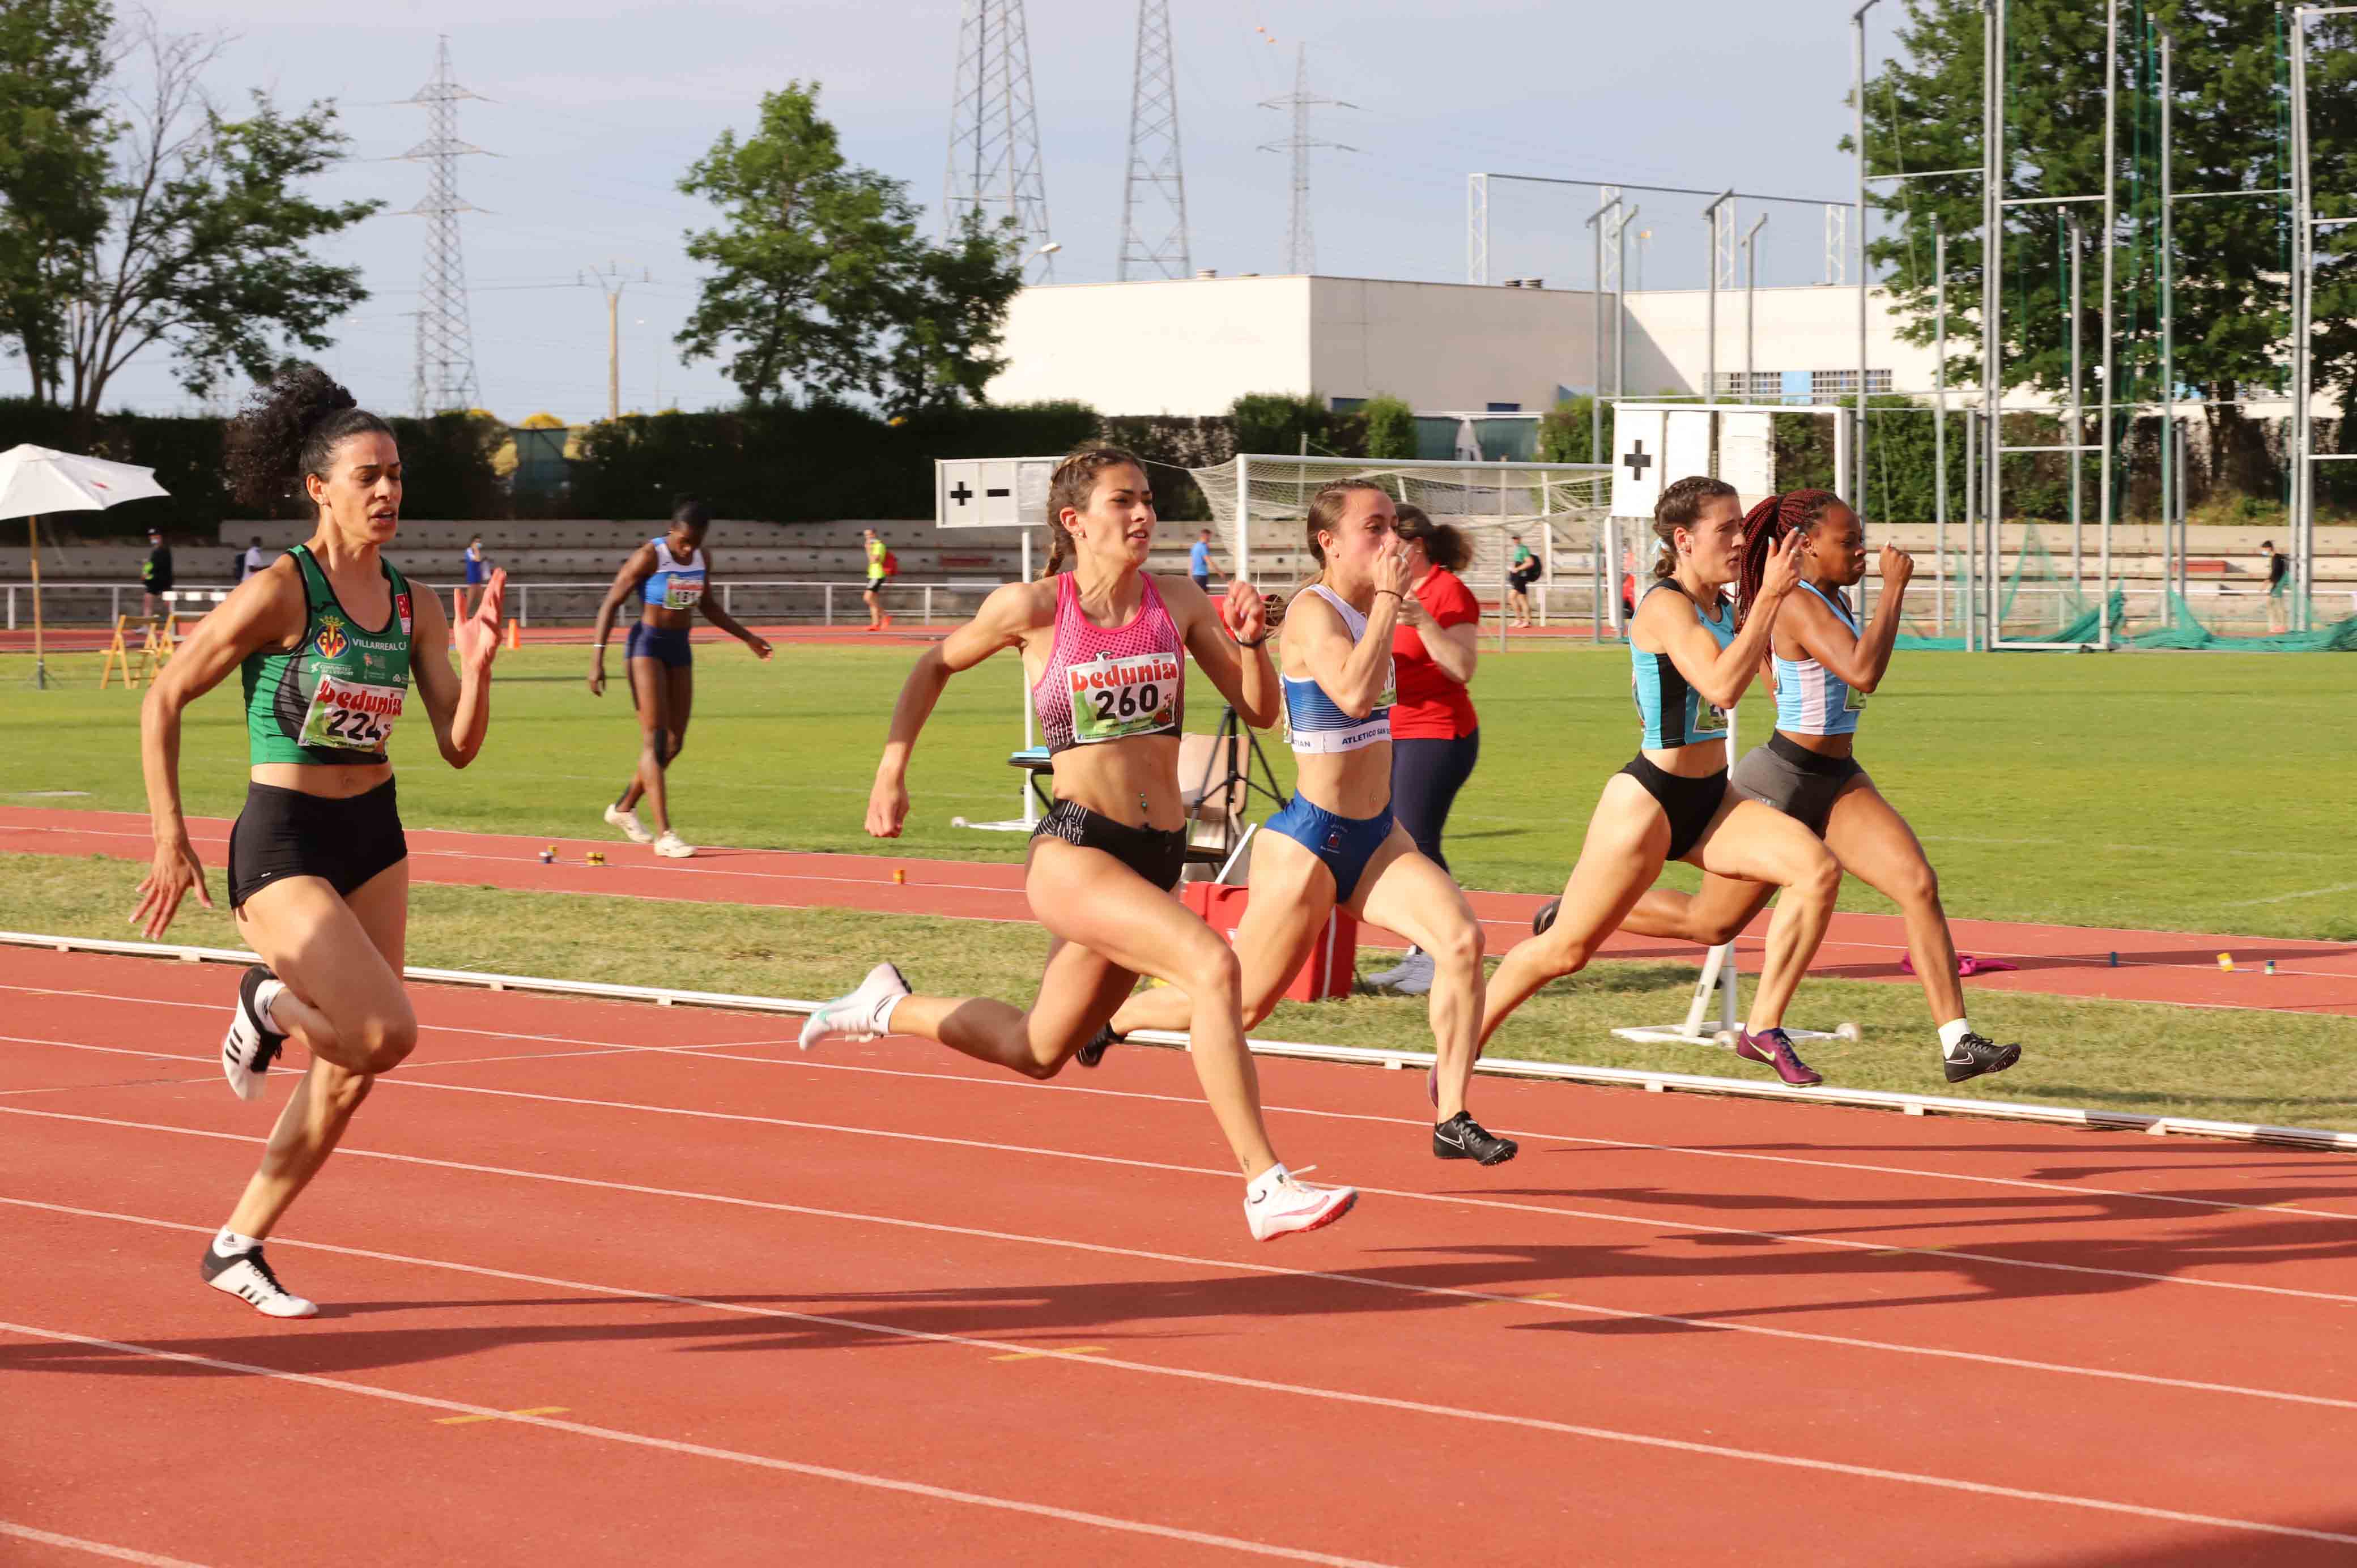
<point x="1565" y="432"/>
<point x="1924" y="111"/>
<point x="821" y="281"/>
<point x="1391" y="426"/>
<point x="205" y="247"/>
<point x="53" y="171"/>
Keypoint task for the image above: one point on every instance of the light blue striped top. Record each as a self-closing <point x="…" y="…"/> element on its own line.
<point x="1812" y="699"/>
<point x="1314" y="722"/>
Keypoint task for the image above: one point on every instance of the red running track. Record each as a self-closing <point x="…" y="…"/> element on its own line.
<point x="2067" y="961"/>
<point x="869" y="1304"/>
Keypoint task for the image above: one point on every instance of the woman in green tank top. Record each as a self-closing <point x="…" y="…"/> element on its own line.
<point x="326" y="641"/>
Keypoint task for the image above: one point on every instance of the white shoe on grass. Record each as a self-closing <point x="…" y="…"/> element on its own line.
<point x="671" y="846"/>
<point x="1280" y="1203"/>
<point x="251" y="1044"/>
<point x="247" y="1276"/>
<point x="862" y="1015"/>
<point x="632" y="829"/>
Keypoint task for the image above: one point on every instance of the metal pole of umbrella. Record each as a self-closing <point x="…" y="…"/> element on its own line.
<point x="41" y="661"/>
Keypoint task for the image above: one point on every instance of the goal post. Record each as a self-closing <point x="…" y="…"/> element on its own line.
<point x="1260" y="502"/>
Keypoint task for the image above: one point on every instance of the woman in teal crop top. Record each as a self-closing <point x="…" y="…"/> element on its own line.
<point x="1691" y="662"/>
<point x="328" y="641"/>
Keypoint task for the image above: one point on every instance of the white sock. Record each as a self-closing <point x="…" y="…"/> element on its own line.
<point x="265" y="996"/>
<point x="1952" y="1035"/>
<point x="883" y="1014"/>
<point x="228" y="1244"/>
<point x="1266" y="1181"/>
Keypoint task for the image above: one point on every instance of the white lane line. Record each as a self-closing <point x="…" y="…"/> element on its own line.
<point x="2290" y="897"/>
<point x="1877" y="1249"/>
<point x="1373" y="1282"/>
<point x="95" y="1547"/>
<point x="1686" y="1226"/>
<point x="761" y="1461"/>
<point x="805" y="1062"/>
<point x="1102" y="1521"/>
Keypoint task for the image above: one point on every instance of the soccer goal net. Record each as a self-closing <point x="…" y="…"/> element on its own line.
<point x="1261" y="504"/>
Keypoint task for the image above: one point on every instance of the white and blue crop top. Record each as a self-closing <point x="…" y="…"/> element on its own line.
<point x="1812" y="699"/>
<point x="1662" y="689"/>
<point x="1314" y="722"/>
<point x="673" y="584"/>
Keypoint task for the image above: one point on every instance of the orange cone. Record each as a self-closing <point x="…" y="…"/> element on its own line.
<point x="515" y="636"/>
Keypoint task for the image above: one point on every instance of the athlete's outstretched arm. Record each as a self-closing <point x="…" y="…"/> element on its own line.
<point x="1859" y="662"/>
<point x="1009" y="612"/>
<point x="265" y="611"/>
<point x="635" y="571"/>
<point x="1722" y="675"/>
<point x="458" y="706"/>
<point x="1238" y="666"/>
<point x="710" y="603"/>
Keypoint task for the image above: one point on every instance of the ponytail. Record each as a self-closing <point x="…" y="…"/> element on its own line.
<point x="1764" y="527"/>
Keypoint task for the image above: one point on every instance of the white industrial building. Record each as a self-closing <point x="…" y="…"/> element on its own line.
<point x="1192" y="346"/>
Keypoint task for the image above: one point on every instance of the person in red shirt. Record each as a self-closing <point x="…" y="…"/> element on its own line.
<point x="1435" y="735"/>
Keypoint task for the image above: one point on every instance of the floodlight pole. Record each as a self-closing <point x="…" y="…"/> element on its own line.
<point x="1993" y="187"/>
<point x="1596" y="402"/>
<point x="1620" y="307"/>
<point x="1750" y="311"/>
<point x="1857" y="25"/>
<point x="2170" y="478"/>
<point x="2104" y="502"/>
<point x="2303" y="263"/>
<point x="1710" y="372"/>
<point x="1939" y="428"/>
<point x="2078" y="409"/>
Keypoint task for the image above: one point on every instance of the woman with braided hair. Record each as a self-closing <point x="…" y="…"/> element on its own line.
<point x="1825" y="668"/>
<point x="1104" y="646"/>
<point x="1692" y="662"/>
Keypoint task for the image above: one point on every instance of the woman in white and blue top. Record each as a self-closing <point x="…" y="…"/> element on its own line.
<point x="1335" y="842"/>
<point x="1692" y="658"/>
<point x="1825" y="666"/>
<point x="672" y="574"/>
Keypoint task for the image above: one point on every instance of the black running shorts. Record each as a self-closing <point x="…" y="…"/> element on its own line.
<point x="285" y="832"/>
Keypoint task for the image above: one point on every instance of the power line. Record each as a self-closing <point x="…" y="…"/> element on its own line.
<point x="1301" y="244"/>
<point x="993" y="158"/>
<point x="1156" y="193"/>
<point x="446" y="339"/>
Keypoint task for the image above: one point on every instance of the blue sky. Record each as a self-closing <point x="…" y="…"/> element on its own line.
<point x="598" y="111"/>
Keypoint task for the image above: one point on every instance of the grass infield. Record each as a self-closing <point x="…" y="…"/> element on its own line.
<point x="2278" y="1068"/>
<point x="2205" y="792"/>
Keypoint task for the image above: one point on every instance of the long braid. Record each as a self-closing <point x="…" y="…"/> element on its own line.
<point x="1764" y="527"/>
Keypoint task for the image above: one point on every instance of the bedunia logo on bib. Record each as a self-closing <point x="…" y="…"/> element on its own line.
<point x="378" y="702"/>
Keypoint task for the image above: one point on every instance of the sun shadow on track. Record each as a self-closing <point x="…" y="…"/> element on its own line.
<point x="2217" y="1549"/>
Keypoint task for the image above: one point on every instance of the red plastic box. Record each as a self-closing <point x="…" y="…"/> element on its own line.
<point x="1332" y="969"/>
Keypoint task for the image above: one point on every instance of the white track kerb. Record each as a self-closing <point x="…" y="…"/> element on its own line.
<point x="1358" y="1056"/>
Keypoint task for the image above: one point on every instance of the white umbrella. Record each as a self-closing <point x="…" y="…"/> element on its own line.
<point x="35" y="480"/>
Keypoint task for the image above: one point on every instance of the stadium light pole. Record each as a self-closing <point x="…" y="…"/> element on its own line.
<point x="1596" y="402"/>
<point x="1710" y="242"/>
<point x="1750" y="305"/>
<point x="1857" y="26"/>
<point x="1620" y="304"/>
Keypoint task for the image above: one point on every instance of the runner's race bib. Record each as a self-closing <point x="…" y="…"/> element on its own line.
<point x="683" y="593"/>
<point x="1709" y="721"/>
<point x="346" y="716"/>
<point x="1854" y="700"/>
<point x="1115" y="697"/>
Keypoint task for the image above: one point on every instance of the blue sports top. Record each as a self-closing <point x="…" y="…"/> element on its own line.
<point x="673" y="584"/>
<point x="1314" y="722"/>
<point x="1812" y="699"/>
<point x="1660" y="689"/>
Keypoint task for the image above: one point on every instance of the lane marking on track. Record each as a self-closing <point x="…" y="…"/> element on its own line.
<point x="95" y="1547"/>
<point x="1043" y="1355"/>
<point x="1688" y="1228"/>
<point x="472" y="1420"/>
<point x="792" y="1467"/>
<point x="1550" y="1300"/>
<point x="1598" y="1434"/>
<point x="804" y="1062"/>
<point x="2290" y="897"/>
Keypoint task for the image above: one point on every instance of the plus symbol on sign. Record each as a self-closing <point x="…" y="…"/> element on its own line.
<point x="961" y="495"/>
<point x="1637" y="461"/>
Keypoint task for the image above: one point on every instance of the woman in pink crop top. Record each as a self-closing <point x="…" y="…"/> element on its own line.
<point x="1103" y="645"/>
